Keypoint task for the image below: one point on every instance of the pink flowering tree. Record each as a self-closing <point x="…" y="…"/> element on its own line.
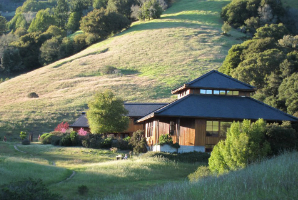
<point x="62" y="127"/>
<point x="82" y="132"/>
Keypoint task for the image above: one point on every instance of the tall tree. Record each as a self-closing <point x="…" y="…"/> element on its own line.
<point x="61" y="13"/>
<point x="106" y="114"/>
<point x="42" y="21"/>
<point x="3" y="22"/>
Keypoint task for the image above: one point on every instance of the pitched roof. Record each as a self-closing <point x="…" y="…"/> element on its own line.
<point x="141" y="109"/>
<point x="216" y="80"/>
<point x="221" y="107"/>
<point x="136" y="110"/>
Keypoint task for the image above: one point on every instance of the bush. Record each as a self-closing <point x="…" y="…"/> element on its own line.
<point x="200" y="173"/>
<point x="83" y="189"/>
<point x="86" y="143"/>
<point x="66" y="140"/>
<point x="32" y="95"/>
<point x="123" y="144"/>
<point x="27" y="189"/>
<point x="25" y="142"/>
<point x="46" y="138"/>
<point x="74" y="138"/>
<point x="165" y="139"/>
<point x="138" y="142"/>
<point x="107" y="143"/>
<point x="55" y="140"/>
<point x="108" y="70"/>
<point x="190" y="157"/>
<point x="23" y="135"/>
<point x="281" y="138"/>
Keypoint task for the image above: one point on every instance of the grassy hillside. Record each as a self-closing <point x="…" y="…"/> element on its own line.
<point x="271" y="179"/>
<point x="152" y="56"/>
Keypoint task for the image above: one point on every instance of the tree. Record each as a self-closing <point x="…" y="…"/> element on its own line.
<point x="245" y="143"/>
<point x="61" y="13"/>
<point x="226" y="28"/>
<point x="122" y="7"/>
<point x="103" y="23"/>
<point x="23" y="135"/>
<point x="49" y="51"/>
<point x="42" y="21"/>
<point x="3" y="22"/>
<point x="98" y="4"/>
<point x="106" y="113"/>
<point x="138" y="142"/>
<point x="73" y="23"/>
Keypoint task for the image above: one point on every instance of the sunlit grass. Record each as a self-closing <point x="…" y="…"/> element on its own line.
<point x="271" y="179"/>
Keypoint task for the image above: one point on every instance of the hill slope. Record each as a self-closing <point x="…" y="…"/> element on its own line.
<point x="152" y="56"/>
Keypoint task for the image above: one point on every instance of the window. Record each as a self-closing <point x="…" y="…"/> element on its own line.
<point x="216" y="92"/>
<point x="172" y="128"/>
<point x="224" y="126"/>
<point x="222" y="92"/>
<point x="234" y="93"/>
<point x="217" y="128"/>
<point x="202" y="91"/>
<point x="208" y="91"/>
<point x="212" y="128"/>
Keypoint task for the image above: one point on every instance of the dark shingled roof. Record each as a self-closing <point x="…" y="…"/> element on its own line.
<point x="136" y="110"/>
<point x="227" y="107"/>
<point x="216" y="80"/>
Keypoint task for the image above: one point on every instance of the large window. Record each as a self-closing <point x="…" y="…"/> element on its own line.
<point x="217" y="128"/>
<point x="212" y="128"/>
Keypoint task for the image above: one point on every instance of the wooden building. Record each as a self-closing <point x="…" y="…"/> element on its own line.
<point x="204" y="110"/>
<point x="135" y="111"/>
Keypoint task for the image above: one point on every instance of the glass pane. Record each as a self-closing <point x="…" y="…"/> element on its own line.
<point x="235" y="92"/>
<point x="216" y="92"/>
<point x="208" y="91"/>
<point x="229" y="92"/>
<point x="209" y="123"/>
<point x="222" y="92"/>
<point x="202" y="91"/>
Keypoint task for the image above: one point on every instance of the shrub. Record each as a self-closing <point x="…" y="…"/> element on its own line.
<point x="83" y="189"/>
<point x="62" y="127"/>
<point x="123" y="144"/>
<point x="46" y="138"/>
<point x="74" y="138"/>
<point x="23" y="135"/>
<point x="165" y="139"/>
<point x="190" y="157"/>
<point x="32" y="95"/>
<point x="281" y="138"/>
<point x="138" y="142"/>
<point x="82" y="132"/>
<point x="108" y="70"/>
<point x="66" y="140"/>
<point x="27" y="189"/>
<point x="226" y="28"/>
<point x="200" y="173"/>
<point x="25" y="142"/>
<point x="245" y="143"/>
<point x="55" y="140"/>
<point x="107" y="143"/>
<point x="114" y="149"/>
<point x="86" y="143"/>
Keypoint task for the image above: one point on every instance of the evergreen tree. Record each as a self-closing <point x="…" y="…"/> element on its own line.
<point x="61" y="13"/>
<point x="3" y="22"/>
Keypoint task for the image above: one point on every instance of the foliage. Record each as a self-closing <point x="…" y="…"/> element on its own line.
<point x="114" y="149"/>
<point x="123" y="144"/>
<point x="46" y="138"/>
<point x="148" y="9"/>
<point x="42" y="21"/>
<point x="276" y="31"/>
<point x="138" y="142"/>
<point x="62" y="127"/>
<point x="49" y="51"/>
<point x="103" y="23"/>
<point x="165" y="139"/>
<point x="18" y="21"/>
<point x="122" y="7"/>
<point x="73" y="23"/>
<point x="82" y="189"/>
<point x="200" y="173"/>
<point x="106" y="113"/>
<point x="281" y="138"/>
<point x="98" y="4"/>
<point x="66" y="140"/>
<point x="82" y="132"/>
<point x="61" y="13"/>
<point x="25" y="142"/>
<point x="3" y="27"/>
<point x="190" y="157"/>
<point x="23" y="135"/>
<point x="108" y="69"/>
<point x="27" y="189"/>
<point x="245" y="143"/>
<point x="226" y="28"/>
<point x="55" y="140"/>
<point x="32" y="95"/>
<point x="79" y="42"/>
<point x="253" y="13"/>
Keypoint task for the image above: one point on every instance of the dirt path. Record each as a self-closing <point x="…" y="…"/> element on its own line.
<point x="70" y="177"/>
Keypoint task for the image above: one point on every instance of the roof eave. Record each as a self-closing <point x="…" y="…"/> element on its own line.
<point x="146" y="118"/>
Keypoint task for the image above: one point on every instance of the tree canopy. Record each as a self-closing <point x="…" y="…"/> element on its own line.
<point x="106" y="113"/>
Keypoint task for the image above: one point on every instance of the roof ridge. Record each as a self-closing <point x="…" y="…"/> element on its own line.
<point x="222" y="74"/>
<point x="260" y="102"/>
<point x="172" y="103"/>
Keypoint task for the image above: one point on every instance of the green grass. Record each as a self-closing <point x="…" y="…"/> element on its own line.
<point x="97" y="169"/>
<point x="154" y="57"/>
<point x="271" y="179"/>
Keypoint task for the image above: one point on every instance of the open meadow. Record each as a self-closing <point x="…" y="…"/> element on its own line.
<point x="95" y="168"/>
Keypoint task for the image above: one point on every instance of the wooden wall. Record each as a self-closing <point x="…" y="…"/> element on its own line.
<point x="132" y="127"/>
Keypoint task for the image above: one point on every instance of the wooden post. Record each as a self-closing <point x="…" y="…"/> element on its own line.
<point x="157" y="130"/>
<point x="178" y="129"/>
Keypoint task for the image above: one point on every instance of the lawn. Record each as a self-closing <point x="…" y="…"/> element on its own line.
<point x="96" y="168"/>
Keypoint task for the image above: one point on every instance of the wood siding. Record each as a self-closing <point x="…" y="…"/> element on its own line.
<point x="132" y="127"/>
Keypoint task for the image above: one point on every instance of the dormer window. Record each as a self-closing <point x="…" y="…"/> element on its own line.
<point x="219" y="92"/>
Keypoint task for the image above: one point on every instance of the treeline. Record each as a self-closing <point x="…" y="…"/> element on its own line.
<point x="39" y="33"/>
<point x="269" y="60"/>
